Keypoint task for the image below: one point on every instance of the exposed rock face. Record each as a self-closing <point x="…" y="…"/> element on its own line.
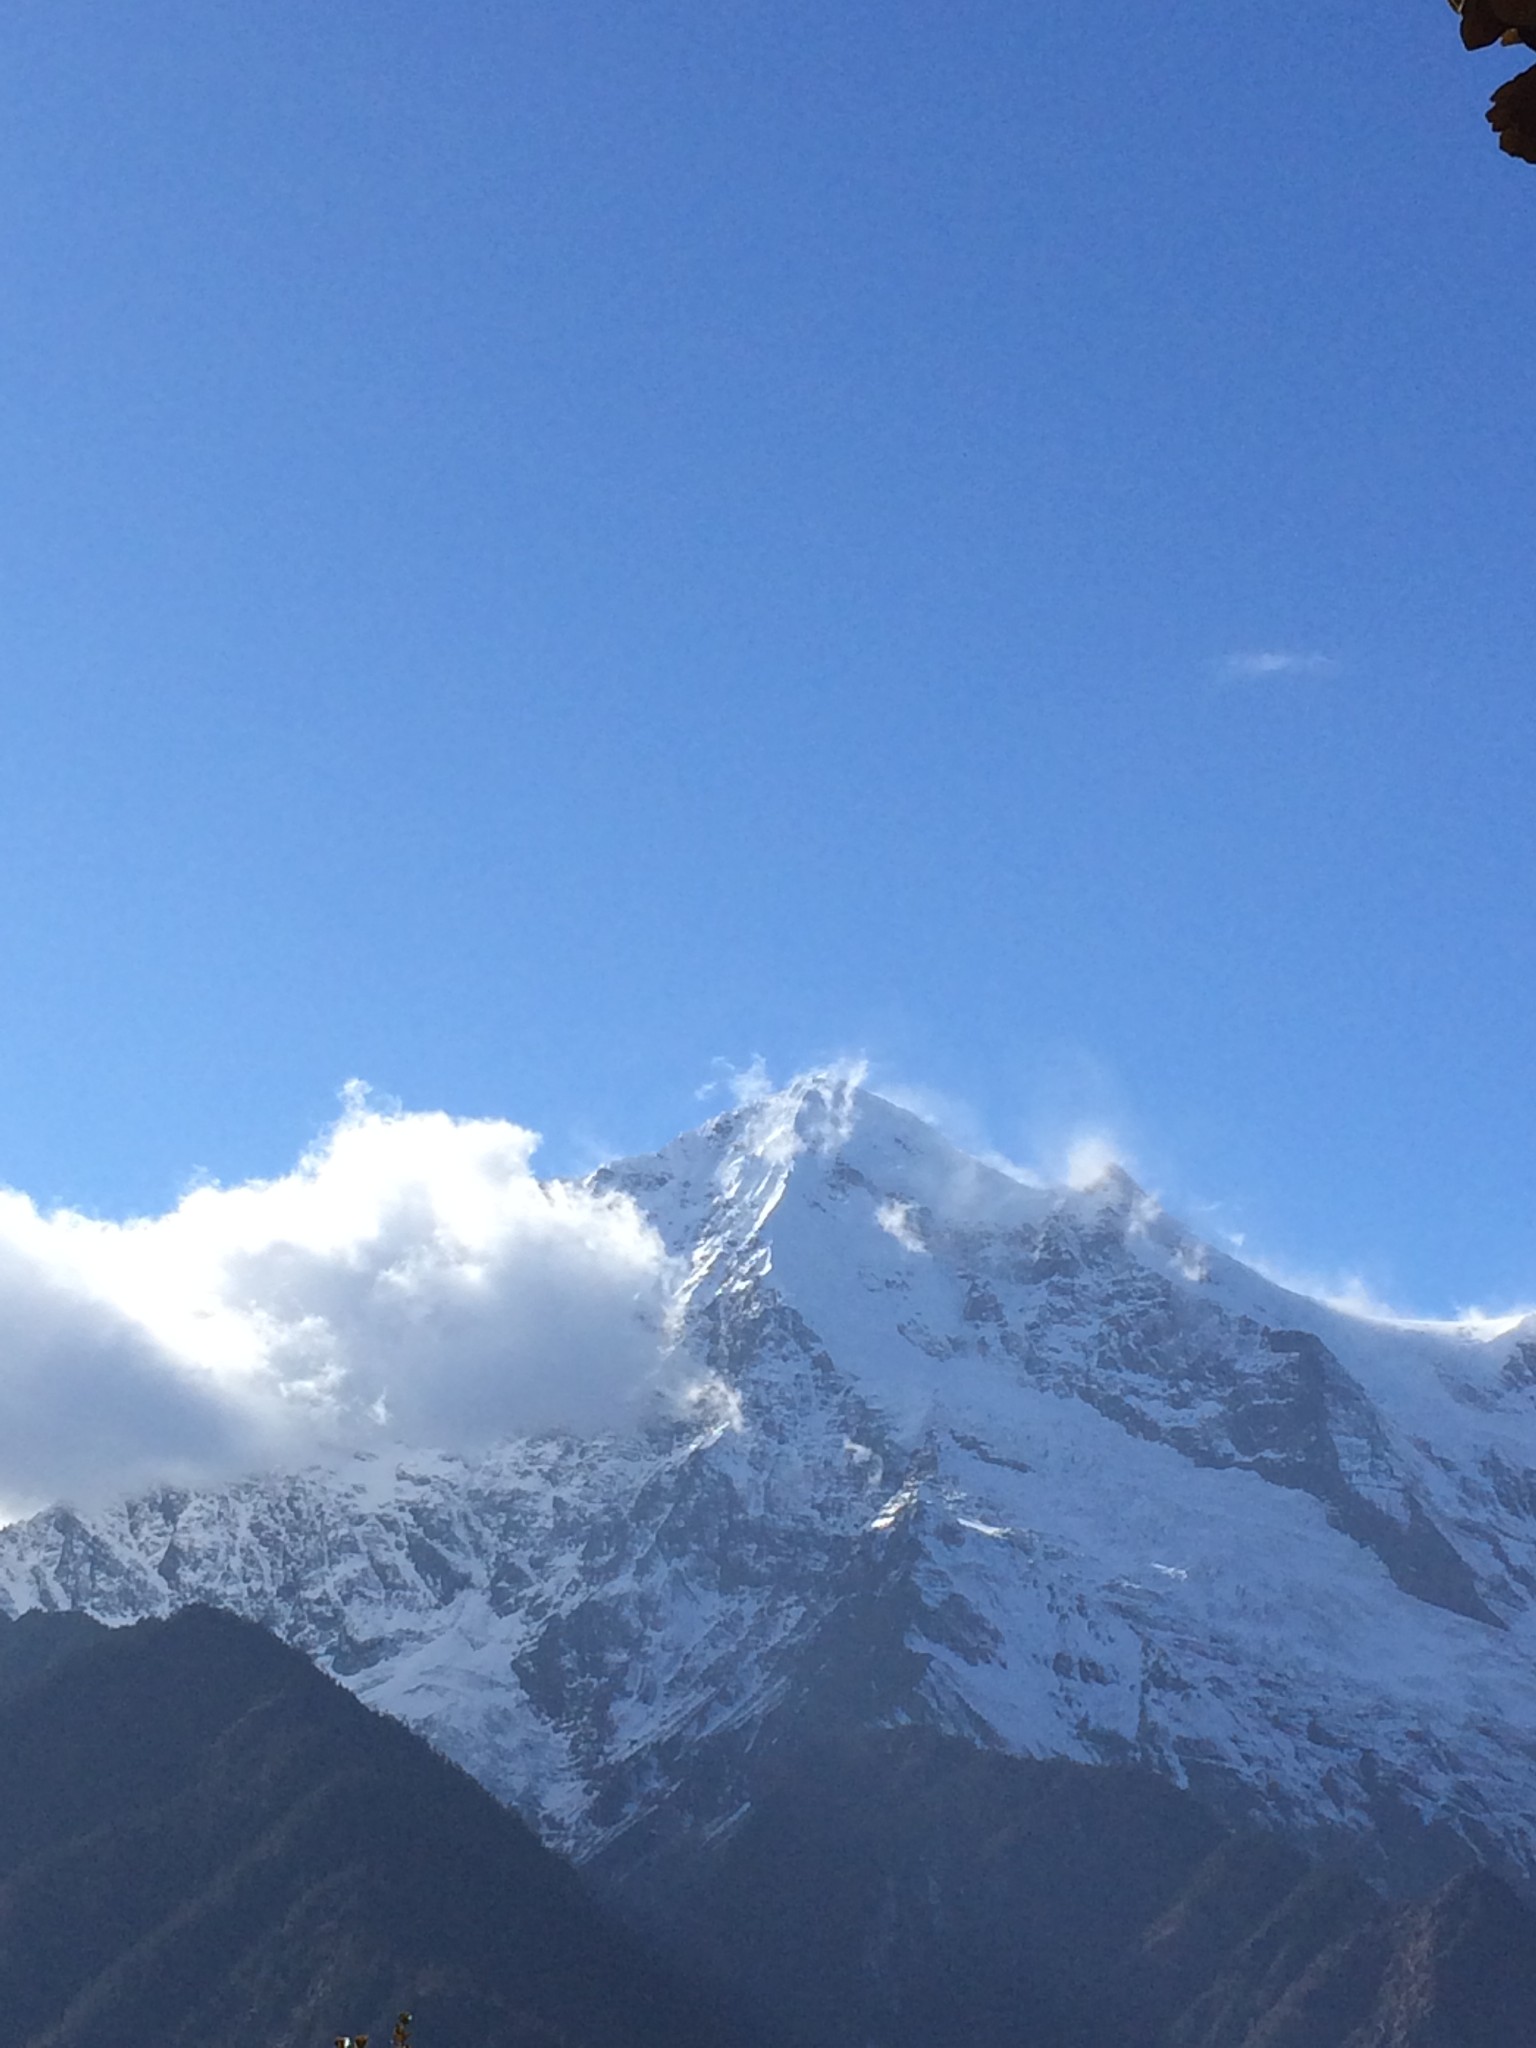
<point x="1024" y="1465"/>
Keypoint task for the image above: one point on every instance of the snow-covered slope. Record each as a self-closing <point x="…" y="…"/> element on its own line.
<point x="1031" y="1465"/>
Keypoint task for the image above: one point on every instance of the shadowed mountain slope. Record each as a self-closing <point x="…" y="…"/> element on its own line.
<point x="201" y="1837"/>
<point x="34" y="1642"/>
<point x="908" y="1890"/>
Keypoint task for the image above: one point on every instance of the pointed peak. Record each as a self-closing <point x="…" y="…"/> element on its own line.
<point x="1114" y="1185"/>
<point x="830" y="1113"/>
<point x="815" y="1112"/>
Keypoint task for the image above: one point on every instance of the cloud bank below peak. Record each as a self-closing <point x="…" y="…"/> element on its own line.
<point x="411" y="1279"/>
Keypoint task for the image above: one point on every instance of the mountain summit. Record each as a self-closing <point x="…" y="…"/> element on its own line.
<point x="1028" y="1466"/>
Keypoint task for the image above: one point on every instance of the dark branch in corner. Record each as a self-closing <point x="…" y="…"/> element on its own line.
<point x="1512" y="115"/>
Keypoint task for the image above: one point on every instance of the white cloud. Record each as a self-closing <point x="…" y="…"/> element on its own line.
<point x="1259" y="664"/>
<point x="411" y="1277"/>
<point x="1352" y="1295"/>
<point x="1090" y="1155"/>
<point x="896" y="1220"/>
<point x="744" y="1085"/>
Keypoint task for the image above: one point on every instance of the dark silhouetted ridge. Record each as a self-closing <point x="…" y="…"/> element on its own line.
<point x="201" y="1837"/>
<point x="34" y="1642"/>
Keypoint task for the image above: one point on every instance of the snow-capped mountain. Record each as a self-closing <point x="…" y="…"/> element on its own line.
<point x="1029" y="1465"/>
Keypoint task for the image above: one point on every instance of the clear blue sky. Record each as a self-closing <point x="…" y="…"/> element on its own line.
<point x="544" y="543"/>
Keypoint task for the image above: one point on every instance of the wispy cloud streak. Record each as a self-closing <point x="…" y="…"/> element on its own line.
<point x="1262" y="664"/>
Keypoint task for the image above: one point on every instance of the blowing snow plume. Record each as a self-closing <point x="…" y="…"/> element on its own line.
<point x="411" y="1278"/>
